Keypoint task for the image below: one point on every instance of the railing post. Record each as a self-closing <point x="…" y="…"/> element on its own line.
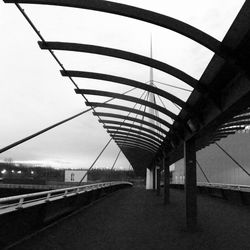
<point x="48" y="197"/>
<point x="20" y="203"/>
<point x="190" y="184"/>
<point x="65" y="193"/>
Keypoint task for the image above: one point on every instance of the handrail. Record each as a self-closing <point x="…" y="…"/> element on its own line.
<point x="224" y="185"/>
<point x="20" y="200"/>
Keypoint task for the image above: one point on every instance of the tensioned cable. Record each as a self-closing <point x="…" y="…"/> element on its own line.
<point x="103" y="149"/>
<point x="162" y="102"/>
<point x="144" y="109"/>
<point x="51" y="127"/>
<point x="95" y="161"/>
<point x="171" y="102"/>
<point x="157" y="112"/>
<point x="60" y="64"/>
<point x="146" y="96"/>
<point x="237" y="163"/>
<point x="51" y="52"/>
<point x="106" y="145"/>
<point x="198" y="164"/>
<point x="113" y="166"/>
<point x="172" y="86"/>
<point x="130" y="111"/>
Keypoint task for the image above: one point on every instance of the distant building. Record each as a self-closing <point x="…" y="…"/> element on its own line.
<point x="75" y="175"/>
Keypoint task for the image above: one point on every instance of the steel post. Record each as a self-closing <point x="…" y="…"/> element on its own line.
<point x="190" y="184"/>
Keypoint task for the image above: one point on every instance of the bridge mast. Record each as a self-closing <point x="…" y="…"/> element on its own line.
<point x="151" y="173"/>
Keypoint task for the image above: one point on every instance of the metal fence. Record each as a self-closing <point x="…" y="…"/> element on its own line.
<point x="8" y="204"/>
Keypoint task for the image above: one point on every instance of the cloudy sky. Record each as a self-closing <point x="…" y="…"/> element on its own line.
<point x="34" y="95"/>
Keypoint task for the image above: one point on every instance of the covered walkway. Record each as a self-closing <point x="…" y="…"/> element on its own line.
<point x="137" y="219"/>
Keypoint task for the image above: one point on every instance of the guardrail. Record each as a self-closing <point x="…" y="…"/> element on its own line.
<point x="22" y="201"/>
<point x="238" y="194"/>
<point x="245" y="188"/>
<point x="24" y="214"/>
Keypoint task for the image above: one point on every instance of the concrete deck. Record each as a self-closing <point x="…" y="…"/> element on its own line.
<point x="137" y="219"/>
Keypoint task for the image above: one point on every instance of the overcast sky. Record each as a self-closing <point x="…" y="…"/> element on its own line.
<point x="34" y="94"/>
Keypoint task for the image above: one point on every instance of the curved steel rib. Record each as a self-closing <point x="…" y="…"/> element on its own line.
<point x="123" y="117"/>
<point x="135" y="132"/>
<point x="124" y="81"/>
<point x="136" y="136"/>
<point x="132" y="57"/>
<point x="129" y="125"/>
<point x="130" y="110"/>
<point x="139" y="14"/>
<point x="136" y="140"/>
<point x="123" y="144"/>
<point x="131" y="99"/>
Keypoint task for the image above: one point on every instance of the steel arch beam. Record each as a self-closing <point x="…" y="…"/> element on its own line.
<point x="235" y="128"/>
<point x="124" y="81"/>
<point x="135" y="140"/>
<point x="125" y="55"/>
<point x="131" y="135"/>
<point x="228" y="131"/>
<point x="240" y="118"/>
<point x="123" y="117"/>
<point x="172" y="98"/>
<point x="231" y="127"/>
<point x="129" y="125"/>
<point x="130" y="99"/>
<point x="122" y="144"/>
<point x="130" y="110"/>
<point x="134" y="132"/>
<point x="139" y="14"/>
<point x="224" y="134"/>
<point x="236" y="123"/>
<point x="134" y="146"/>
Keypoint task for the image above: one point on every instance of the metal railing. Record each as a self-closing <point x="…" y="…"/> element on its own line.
<point x="22" y="201"/>
<point x="237" y="187"/>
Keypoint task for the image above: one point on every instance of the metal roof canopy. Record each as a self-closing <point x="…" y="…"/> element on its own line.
<point x="222" y="92"/>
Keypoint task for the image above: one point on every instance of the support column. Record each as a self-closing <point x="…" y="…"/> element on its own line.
<point x="190" y="184"/>
<point x="149" y="179"/>
<point x="158" y="180"/>
<point x="165" y="166"/>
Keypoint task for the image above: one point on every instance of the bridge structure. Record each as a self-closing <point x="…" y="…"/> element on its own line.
<point x="217" y="107"/>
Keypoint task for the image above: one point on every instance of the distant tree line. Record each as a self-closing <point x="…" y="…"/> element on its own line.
<point x="26" y="173"/>
<point x="107" y="174"/>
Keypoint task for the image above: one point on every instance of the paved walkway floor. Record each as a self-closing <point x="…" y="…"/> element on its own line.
<point x="135" y="219"/>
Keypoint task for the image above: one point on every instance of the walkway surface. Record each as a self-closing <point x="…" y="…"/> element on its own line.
<point x="135" y="219"/>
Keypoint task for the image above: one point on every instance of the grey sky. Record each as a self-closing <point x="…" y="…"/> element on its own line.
<point x="35" y="95"/>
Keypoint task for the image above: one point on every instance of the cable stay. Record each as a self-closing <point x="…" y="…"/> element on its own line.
<point x="95" y="161"/>
<point x="237" y="163"/>
<point x="172" y="86"/>
<point x="113" y="166"/>
<point x="198" y="164"/>
<point x="51" y="127"/>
